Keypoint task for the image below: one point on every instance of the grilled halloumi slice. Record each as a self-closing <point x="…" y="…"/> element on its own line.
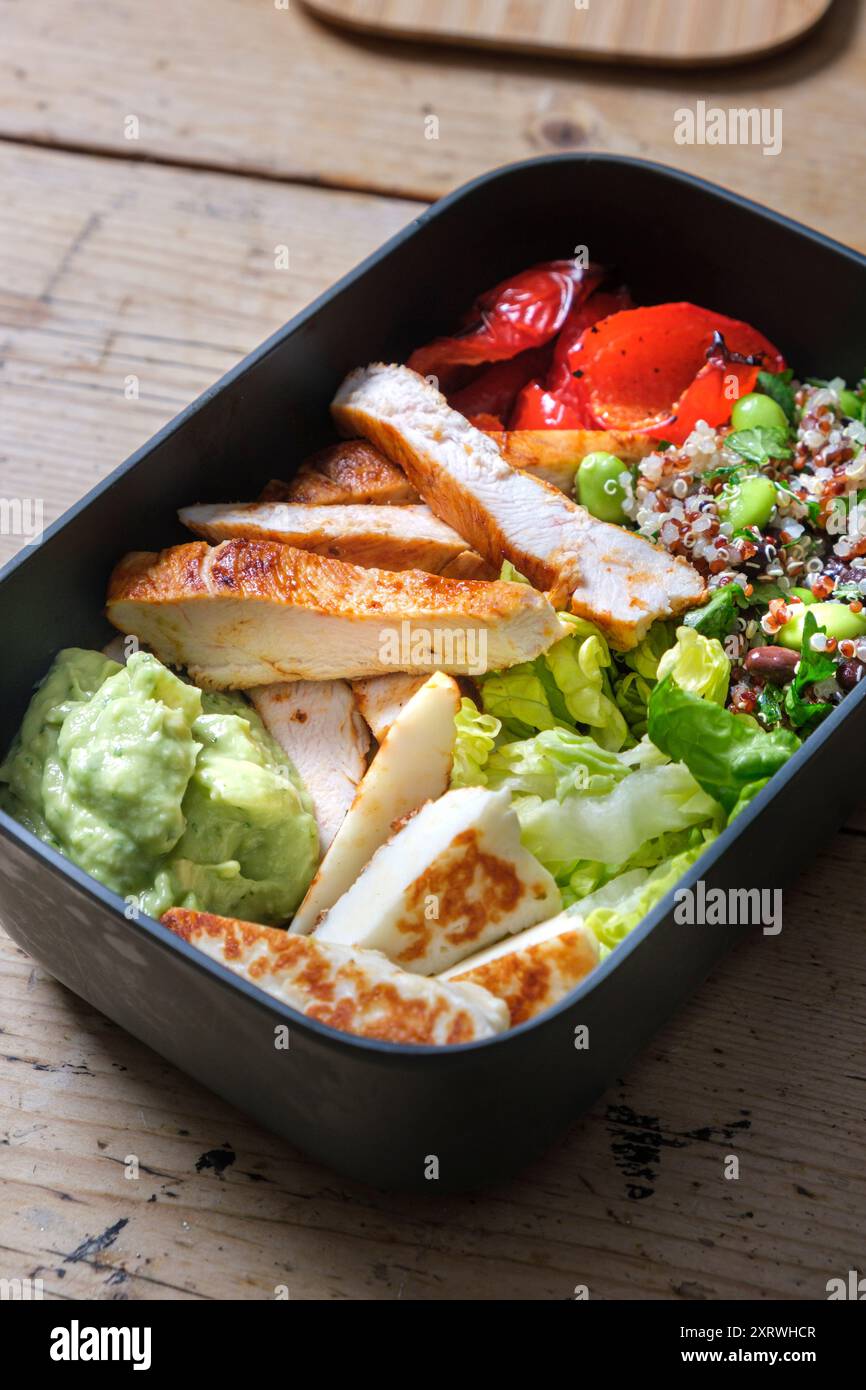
<point x="412" y="766"/>
<point x="251" y="613"/>
<point x="351" y="471"/>
<point x="381" y="698"/>
<point x="389" y="538"/>
<point x="532" y="971"/>
<point x="611" y="576"/>
<point x="455" y="878"/>
<point x="358" y="992"/>
<point x="318" y="726"/>
<point x="555" y="455"/>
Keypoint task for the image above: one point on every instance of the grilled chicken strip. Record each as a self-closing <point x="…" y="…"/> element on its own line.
<point x="317" y="725"/>
<point x="358" y="992"/>
<point x="249" y="613"/>
<point x="534" y="970"/>
<point x="381" y="698"/>
<point x="555" y="455"/>
<point x="412" y="766"/>
<point x="455" y="878"/>
<point x="352" y="471"/>
<point x="469" y="565"/>
<point x="389" y="538"/>
<point x="610" y="576"/>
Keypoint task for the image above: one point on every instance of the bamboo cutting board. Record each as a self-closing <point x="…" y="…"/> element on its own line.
<point x="675" y="32"/>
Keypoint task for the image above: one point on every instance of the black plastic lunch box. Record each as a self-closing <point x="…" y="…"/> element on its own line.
<point x="392" y="1115"/>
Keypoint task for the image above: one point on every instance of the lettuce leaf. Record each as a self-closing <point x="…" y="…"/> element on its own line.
<point x="554" y="764"/>
<point x="698" y="664"/>
<point x="476" y="733"/>
<point x="725" y="752"/>
<point x="567" y="686"/>
<point x="647" y="803"/>
<point x="630" y="901"/>
<point x="590" y="874"/>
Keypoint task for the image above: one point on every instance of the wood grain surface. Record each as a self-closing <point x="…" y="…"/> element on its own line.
<point x="667" y="33"/>
<point x="112" y="267"/>
<point x="239" y="84"/>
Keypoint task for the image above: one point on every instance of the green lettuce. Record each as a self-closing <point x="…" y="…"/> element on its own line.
<point x="725" y="752"/>
<point x="475" y="737"/>
<point x="590" y="874"/>
<point x="649" y="802"/>
<point x="567" y="686"/>
<point x="630" y="898"/>
<point x="698" y="664"/>
<point x="554" y="764"/>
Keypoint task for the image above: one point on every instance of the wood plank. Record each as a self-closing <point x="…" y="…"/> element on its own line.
<point x="765" y="1063"/>
<point x="242" y="84"/>
<point x="666" y="33"/>
<point x="112" y="271"/>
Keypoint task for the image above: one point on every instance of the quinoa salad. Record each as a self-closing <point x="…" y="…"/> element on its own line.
<point x="772" y="510"/>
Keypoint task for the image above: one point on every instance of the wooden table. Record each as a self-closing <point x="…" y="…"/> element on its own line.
<point x="153" y="257"/>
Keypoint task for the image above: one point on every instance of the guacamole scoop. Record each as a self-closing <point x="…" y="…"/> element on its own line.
<point x="168" y="796"/>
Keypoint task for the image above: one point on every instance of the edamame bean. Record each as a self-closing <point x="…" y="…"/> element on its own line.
<point x="834" y="616"/>
<point x="756" y="411"/>
<point x="749" y="502"/>
<point x="598" y="487"/>
<point x="851" y="405"/>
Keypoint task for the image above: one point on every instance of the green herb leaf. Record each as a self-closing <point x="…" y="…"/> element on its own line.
<point x="760" y="445"/>
<point x="814" y="666"/>
<point x="777" y="386"/>
<point x="718" y="617"/>
<point x="770" y="705"/>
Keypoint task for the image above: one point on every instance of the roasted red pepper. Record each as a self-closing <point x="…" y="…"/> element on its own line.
<point x="523" y="312"/>
<point x="558" y="402"/>
<point x="493" y="391"/>
<point x="659" y="370"/>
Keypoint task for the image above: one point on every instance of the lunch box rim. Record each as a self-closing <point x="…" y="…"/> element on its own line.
<point x="61" y="867"/>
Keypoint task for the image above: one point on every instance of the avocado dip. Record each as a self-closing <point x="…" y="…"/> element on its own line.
<point x="169" y="796"/>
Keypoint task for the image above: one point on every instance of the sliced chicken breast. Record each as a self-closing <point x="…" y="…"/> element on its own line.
<point x="532" y="971"/>
<point x="555" y="455"/>
<point x="252" y="613"/>
<point x="319" y="728"/>
<point x="469" y="565"/>
<point x="412" y="766"/>
<point x="609" y="575"/>
<point x="390" y="538"/>
<point x="381" y="698"/>
<point x="454" y="879"/>
<point x="351" y="471"/>
<point x="354" y="991"/>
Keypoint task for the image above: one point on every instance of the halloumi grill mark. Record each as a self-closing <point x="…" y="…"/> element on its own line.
<point x="249" y="613"/>
<point x="455" y="878"/>
<point x="318" y="726"/>
<point x="534" y="970"/>
<point x="358" y="992"/>
<point x="609" y="575"/>
<point x="412" y="766"/>
<point x="389" y="538"/>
